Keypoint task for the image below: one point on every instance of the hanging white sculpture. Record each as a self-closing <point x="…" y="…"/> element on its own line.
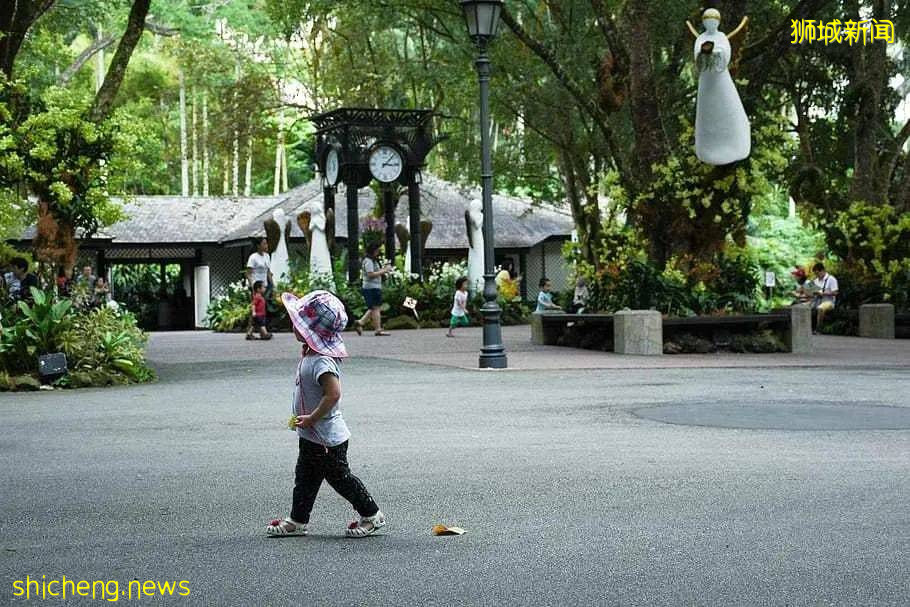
<point x="474" y="223"/>
<point x="277" y="229"/>
<point x="280" y="262"/>
<point x="722" y="130"/>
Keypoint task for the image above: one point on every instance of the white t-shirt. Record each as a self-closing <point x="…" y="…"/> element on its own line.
<point x="259" y="264"/>
<point x="828" y="283"/>
<point x="461" y="301"/>
<point x="331" y="429"/>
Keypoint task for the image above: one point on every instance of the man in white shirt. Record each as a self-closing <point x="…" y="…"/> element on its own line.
<point x="258" y="266"/>
<point x="826" y="297"/>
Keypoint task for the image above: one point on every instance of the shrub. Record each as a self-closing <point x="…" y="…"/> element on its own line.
<point x="110" y="341"/>
<point x="873" y="244"/>
<point x="102" y="346"/>
<point x="34" y="329"/>
<point x="230" y="312"/>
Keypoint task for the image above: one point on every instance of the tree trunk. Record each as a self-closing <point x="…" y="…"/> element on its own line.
<point x="869" y="82"/>
<point x="104" y="100"/>
<point x="195" y="146"/>
<point x="586" y="215"/>
<point x="226" y="176"/>
<point x="235" y="165"/>
<point x="55" y="240"/>
<point x="651" y="144"/>
<point x="276" y="189"/>
<point x="99" y="63"/>
<point x="248" y="174"/>
<point x="284" y="167"/>
<point x="184" y="162"/>
<point x="16" y="18"/>
<point x="205" y="144"/>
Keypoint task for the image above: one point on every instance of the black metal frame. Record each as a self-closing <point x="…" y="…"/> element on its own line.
<point x="356" y="132"/>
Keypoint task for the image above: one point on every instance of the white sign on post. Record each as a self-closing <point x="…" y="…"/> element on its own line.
<point x="770" y="280"/>
<point x="411" y="304"/>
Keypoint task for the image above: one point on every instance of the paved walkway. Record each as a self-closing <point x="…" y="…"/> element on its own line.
<point x="771" y="483"/>
<point x="431" y="346"/>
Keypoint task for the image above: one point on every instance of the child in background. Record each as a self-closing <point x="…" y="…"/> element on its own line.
<point x="260" y="319"/>
<point x="544" y="299"/>
<point x="318" y="320"/>
<point x="580" y="298"/>
<point x="459" y="307"/>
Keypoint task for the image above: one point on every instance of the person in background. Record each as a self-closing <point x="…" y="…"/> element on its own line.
<point x="260" y="319"/>
<point x="259" y="266"/>
<point x="826" y="297"/>
<point x="64" y="278"/>
<point x="26" y="280"/>
<point x="544" y="299"/>
<point x="800" y="294"/>
<point x="508" y="283"/>
<point x="101" y="293"/>
<point x="87" y="278"/>
<point x="372" y="290"/>
<point x="9" y="284"/>
<point x="580" y="298"/>
<point x="459" y="306"/>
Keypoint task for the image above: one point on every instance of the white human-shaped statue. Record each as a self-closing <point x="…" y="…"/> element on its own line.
<point x="279" y="265"/>
<point x="722" y="130"/>
<point x="474" y="221"/>
<point x="320" y="259"/>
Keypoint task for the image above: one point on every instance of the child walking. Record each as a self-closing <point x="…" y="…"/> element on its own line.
<point x="318" y="319"/>
<point x="459" y="307"/>
<point x="260" y="319"/>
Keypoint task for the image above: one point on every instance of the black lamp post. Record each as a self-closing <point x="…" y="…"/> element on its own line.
<point x="482" y="18"/>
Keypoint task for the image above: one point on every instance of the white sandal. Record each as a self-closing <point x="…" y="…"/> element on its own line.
<point x="285" y="527"/>
<point x="367" y="525"/>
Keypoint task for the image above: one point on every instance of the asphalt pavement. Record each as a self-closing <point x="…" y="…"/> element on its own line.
<point x="570" y="493"/>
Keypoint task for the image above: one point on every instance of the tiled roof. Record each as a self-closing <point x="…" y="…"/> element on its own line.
<point x="518" y="222"/>
<point x="179" y="220"/>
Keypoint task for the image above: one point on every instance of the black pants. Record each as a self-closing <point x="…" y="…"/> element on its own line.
<point x="317" y="463"/>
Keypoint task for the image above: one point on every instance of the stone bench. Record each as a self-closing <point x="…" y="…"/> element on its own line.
<point x="876" y="321"/>
<point x="642" y="331"/>
<point x="547" y="327"/>
<point x="902" y="326"/>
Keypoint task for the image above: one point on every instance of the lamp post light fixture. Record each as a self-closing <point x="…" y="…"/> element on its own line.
<point x="482" y="19"/>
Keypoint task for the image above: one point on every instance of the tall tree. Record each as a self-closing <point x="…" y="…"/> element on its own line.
<point x="61" y="151"/>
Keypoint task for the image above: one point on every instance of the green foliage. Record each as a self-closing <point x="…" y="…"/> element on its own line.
<point x="34" y="329"/>
<point x="66" y="160"/>
<point x="109" y="340"/>
<point x="138" y="288"/>
<point x="44" y="319"/>
<point x="692" y="210"/>
<point x="103" y="343"/>
<point x="8" y="252"/>
<point x="231" y="312"/>
<point x="434" y="296"/>
<point x="778" y="243"/>
<point x="727" y="284"/>
<point x="873" y="244"/>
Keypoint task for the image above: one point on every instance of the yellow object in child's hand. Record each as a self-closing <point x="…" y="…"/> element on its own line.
<point x="292" y="423"/>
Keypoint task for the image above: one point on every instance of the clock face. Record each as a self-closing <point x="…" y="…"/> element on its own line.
<point x="386" y="163"/>
<point x="331" y="166"/>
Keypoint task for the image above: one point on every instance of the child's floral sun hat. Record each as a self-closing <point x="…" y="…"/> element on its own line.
<point x="319" y="318"/>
